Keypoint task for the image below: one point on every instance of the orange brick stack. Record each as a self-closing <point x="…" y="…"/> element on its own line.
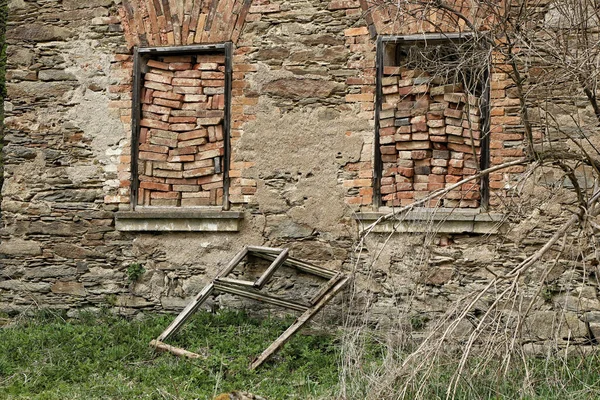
<point x="181" y="144"/>
<point x="429" y="139"/>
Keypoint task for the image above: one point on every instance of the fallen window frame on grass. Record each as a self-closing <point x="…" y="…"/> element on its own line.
<point x="248" y="289"/>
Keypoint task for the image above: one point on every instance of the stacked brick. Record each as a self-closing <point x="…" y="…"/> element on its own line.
<point x="181" y="143"/>
<point x="429" y="139"/>
<point x="358" y="176"/>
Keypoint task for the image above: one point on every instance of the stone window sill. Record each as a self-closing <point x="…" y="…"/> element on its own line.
<point x="197" y="219"/>
<point x="434" y="220"/>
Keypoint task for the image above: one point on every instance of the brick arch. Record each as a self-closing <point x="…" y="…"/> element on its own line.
<point x="182" y="22"/>
<point x="384" y="18"/>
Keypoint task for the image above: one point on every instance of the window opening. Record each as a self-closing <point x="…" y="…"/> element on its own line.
<point x="432" y="120"/>
<point x="180" y="121"/>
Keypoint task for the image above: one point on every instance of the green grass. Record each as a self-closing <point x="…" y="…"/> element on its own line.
<point x="107" y="357"/>
<point x="96" y="357"/>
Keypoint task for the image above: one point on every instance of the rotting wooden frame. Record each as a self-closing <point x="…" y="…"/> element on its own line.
<point x="139" y="55"/>
<point x="248" y="289"/>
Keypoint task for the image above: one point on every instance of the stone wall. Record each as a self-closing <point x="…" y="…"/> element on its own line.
<point x="301" y="164"/>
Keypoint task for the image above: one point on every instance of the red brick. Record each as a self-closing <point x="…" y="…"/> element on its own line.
<point x="185" y="158"/>
<point x="188" y="74"/>
<point x="158" y="86"/>
<point x="210" y="179"/>
<point x="188" y="90"/>
<point x="163" y="141"/>
<point x="352" y="98"/>
<point x="213" y="83"/>
<point x="197" y="172"/>
<point x="155" y="186"/>
<point x="193" y="142"/>
<point x="150" y="123"/>
<point x="152" y="156"/>
<point x="156" y="109"/>
<point x="179" y="66"/>
<point x="195" y="134"/>
<point x="182" y="127"/>
<point x="215" y="185"/>
<point x="167" y="103"/>
<point x="168" y="95"/>
<point x="183" y="151"/>
<point x="186" y="82"/>
<point x="164" y="195"/>
<point x="195" y="201"/>
<point x="198" y="164"/>
<point x="363" y="30"/>
<point x="158" y="78"/>
<point x="161" y="173"/>
<point x="157" y="64"/>
<point x="186" y="188"/>
<point x="153" y="148"/>
<point x="206" y="66"/>
<point x="210" y="154"/>
<point x="182" y="120"/>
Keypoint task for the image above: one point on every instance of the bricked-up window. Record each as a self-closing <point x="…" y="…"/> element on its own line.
<point x="432" y="113"/>
<point x="181" y="126"/>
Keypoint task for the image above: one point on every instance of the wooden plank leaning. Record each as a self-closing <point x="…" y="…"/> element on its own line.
<point x="304" y="318"/>
<point x="226" y="287"/>
<point x="233" y="263"/>
<point x="264" y="278"/>
<point x="187" y="312"/>
<point x="299" y="265"/>
<point x="179" y="352"/>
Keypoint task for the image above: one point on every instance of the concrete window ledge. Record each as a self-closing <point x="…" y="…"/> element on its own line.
<point x="435" y="220"/>
<point x="151" y="219"/>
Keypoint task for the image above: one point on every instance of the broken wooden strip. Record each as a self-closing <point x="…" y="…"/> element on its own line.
<point x="251" y="294"/>
<point x="179" y="352"/>
<point x="233" y="263"/>
<point x="331" y="283"/>
<point x="187" y="312"/>
<point x="233" y="281"/>
<point x="264" y="278"/>
<point x="304" y="318"/>
<point x="299" y="265"/>
<point x="275" y="250"/>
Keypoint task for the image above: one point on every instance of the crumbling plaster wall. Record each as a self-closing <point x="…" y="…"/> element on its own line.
<point x="302" y="151"/>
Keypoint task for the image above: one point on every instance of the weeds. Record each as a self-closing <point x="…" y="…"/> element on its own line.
<point x="135" y="271"/>
<point x="105" y="356"/>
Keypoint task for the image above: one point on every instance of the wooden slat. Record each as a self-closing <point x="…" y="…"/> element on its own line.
<point x="158" y="345"/>
<point x="300" y="265"/>
<point x="233" y="263"/>
<point x="187" y="312"/>
<point x="239" y="282"/>
<point x="264" y="278"/>
<point x="303" y="319"/>
<point x="319" y="295"/>
<point x="270" y="250"/>
<point x="254" y="295"/>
